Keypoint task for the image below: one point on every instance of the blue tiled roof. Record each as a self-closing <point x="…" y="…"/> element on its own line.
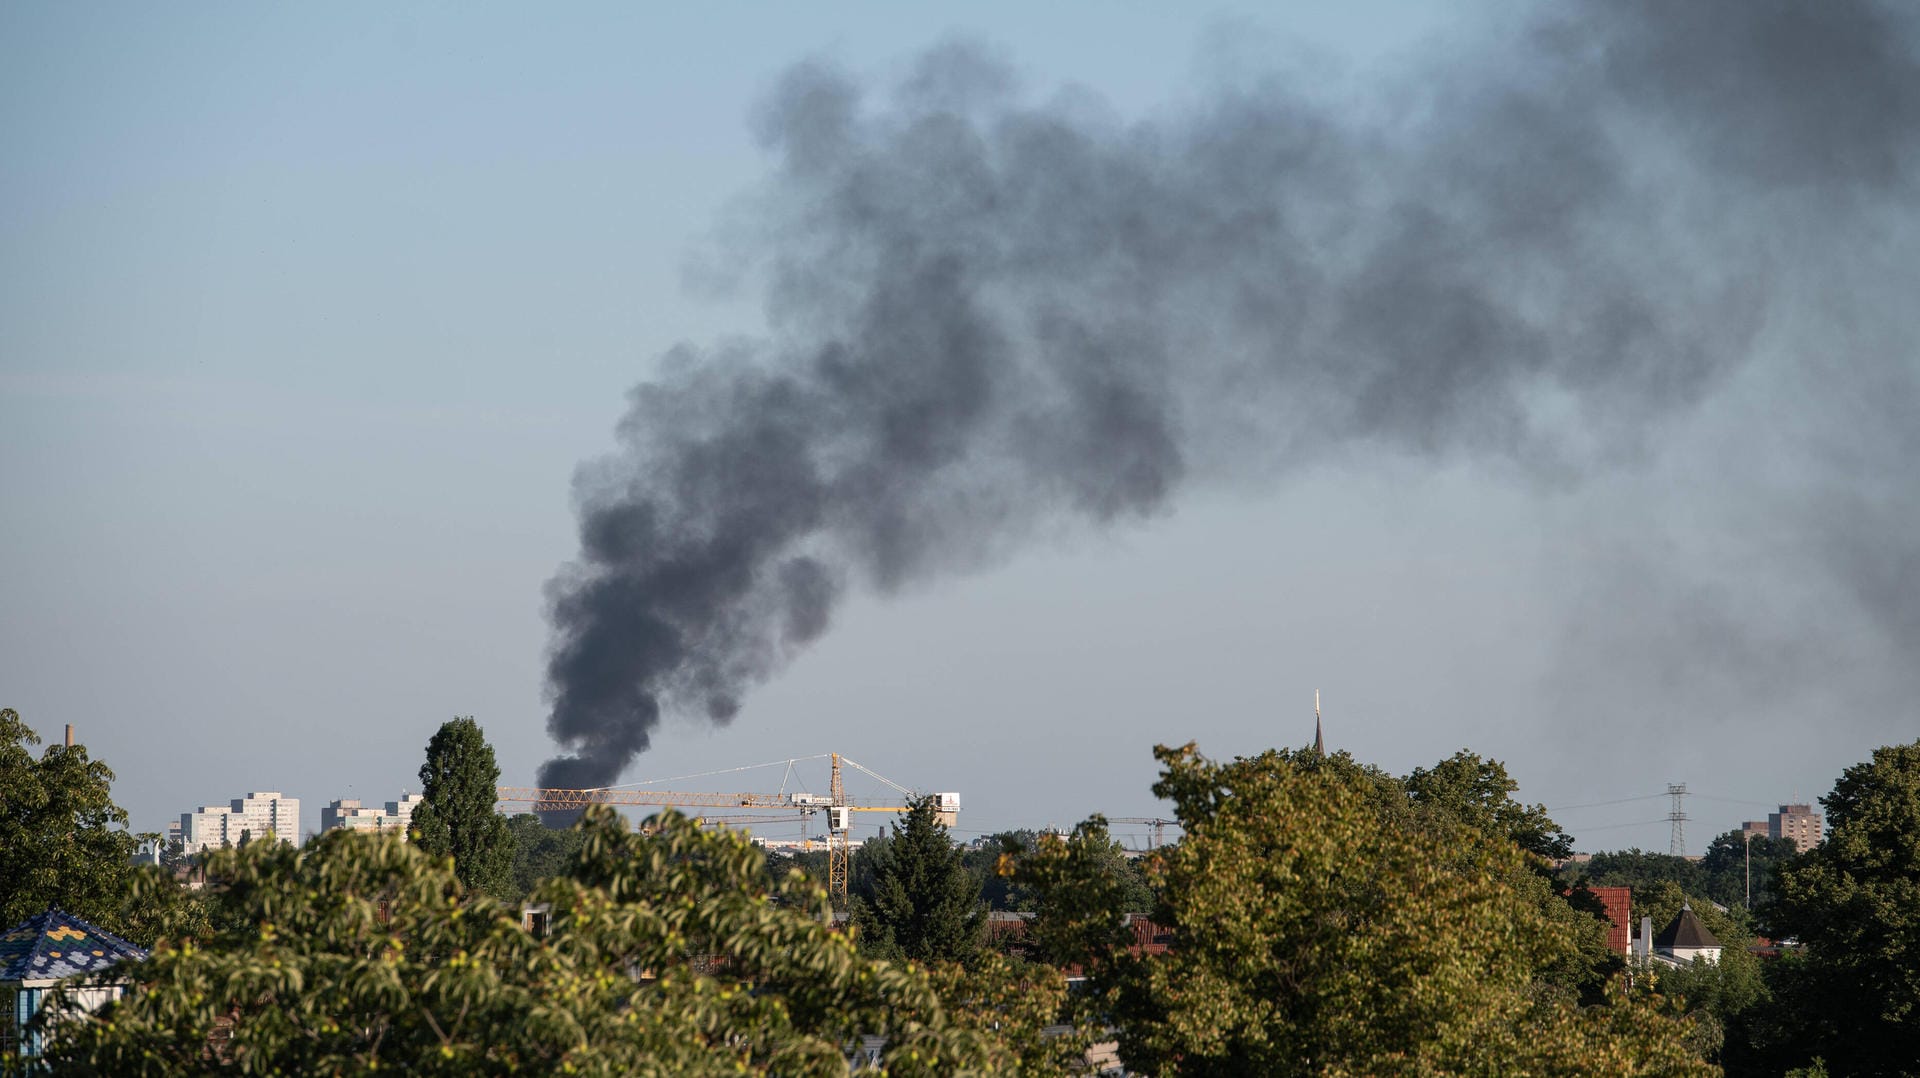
<point x="54" y="945"/>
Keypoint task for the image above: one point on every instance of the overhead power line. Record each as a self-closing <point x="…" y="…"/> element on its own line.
<point x="1598" y="804"/>
<point x="1617" y="826"/>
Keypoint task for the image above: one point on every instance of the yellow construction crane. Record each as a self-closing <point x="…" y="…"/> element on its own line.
<point x="838" y="806"/>
<point x="1159" y="827"/>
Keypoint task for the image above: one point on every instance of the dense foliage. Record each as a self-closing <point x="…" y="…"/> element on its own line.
<point x="1721" y="876"/>
<point x="1638" y="869"/>
<point x="1316" y="933"/>
<point x="1733" y="861"/>
<point x="1854" y="903"/>
<point x="539" y="852"/>
<point x="1323" y="915"/>
<point x="459" y="784"/>
<point x="920" y="902"/>
<point x="63" y="842"/>
<point x="362" y="952"/>
<point x="1478" y="794"/>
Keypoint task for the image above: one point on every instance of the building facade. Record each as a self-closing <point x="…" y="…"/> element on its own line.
<point x="1799" y="823"/>
<point x="259" y="814"/>
<point x="393" y="818"/>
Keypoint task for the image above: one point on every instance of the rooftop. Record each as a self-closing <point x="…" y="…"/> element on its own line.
<point x="1685" y="930"/>
<point x="54" y="945"/>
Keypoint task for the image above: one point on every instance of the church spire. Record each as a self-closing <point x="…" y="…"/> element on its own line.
<point x="1319" y="743"/>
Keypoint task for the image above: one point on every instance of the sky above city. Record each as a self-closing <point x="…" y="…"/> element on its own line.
<point x="1566" y="415"/>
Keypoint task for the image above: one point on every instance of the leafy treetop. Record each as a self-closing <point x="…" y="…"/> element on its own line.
<point x="63" y="842"/>
<point x="1479" y="794"/>
<point x="455" y="818"/>
<point x="1315" y="933"/>
<point x="1854" y="902"/>
<point x="667" y="955"/>
<point x="922" y="903"/>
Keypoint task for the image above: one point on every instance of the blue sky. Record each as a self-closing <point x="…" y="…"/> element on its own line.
<point x="308" y="314"/>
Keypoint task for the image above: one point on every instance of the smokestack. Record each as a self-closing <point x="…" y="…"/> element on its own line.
<point x="69" y="735"/>
<point x="992" y="320"/>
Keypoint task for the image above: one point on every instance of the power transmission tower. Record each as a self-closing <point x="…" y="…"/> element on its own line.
<point x="1678" y="791"/>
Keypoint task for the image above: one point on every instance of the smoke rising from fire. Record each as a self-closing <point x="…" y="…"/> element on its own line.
<point x="992" y="317"/>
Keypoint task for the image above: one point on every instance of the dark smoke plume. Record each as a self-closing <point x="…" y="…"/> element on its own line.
<point x="990" y="317"/>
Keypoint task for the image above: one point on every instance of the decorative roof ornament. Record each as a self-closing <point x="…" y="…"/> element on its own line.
<point x="1319" y="742"/>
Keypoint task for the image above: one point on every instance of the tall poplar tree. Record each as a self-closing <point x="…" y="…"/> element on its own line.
<point x="459" y="785"/>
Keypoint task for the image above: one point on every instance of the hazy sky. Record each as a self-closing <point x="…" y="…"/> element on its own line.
<point x="308" y="316"/>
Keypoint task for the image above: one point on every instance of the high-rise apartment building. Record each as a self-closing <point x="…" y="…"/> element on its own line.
<point x="1799" y="823"/>
<point x="205" y="828"/>
<point x="259" y="814"/>
<point x="349" y="813"/>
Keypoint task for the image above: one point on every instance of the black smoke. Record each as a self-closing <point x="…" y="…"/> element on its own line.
<point x="991" y="316"/>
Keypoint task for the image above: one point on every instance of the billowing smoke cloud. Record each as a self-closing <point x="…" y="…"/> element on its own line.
<point x="991" y="317"/>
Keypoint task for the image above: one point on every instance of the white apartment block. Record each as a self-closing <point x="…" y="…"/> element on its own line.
<point x="351" y="814"/>
<point x="257" y="815"/>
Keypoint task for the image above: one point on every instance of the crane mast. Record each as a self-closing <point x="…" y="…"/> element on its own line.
<point x="839" y="851"/>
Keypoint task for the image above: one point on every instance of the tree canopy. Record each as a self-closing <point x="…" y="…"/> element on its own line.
<point x="1315" y="933"/>
<point x="1854" y="903"/>
<point x="539" y="852"/>
<point x="1726" y="867"/>
<point x="1639" y="869"/>
<point x="456" y="818"/>
<point x="1325" y="917"/>
<point x="361" y="952"/>
<point x="1479" y="794"/>
<point x="63" y="841"/>
<point x="922" y="903"/>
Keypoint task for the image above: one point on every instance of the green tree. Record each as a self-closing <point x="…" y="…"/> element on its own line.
<point x="1465" y="790"/>
<point x="1080" y="902"/>
<point x="63" y="842"/>
<point x="539" y="852"/>
<point x="455" y="818"/>
<point x="1642" y="870"/>
<point x="156" y="908"/>
<point x="923" y="904"/>
<point x="1315" y="933"/>
<point x="1019" y="1008"/>
<point x="998" y="889"/>
<point x="1479" y="794"/>
<point x="1726" y="867"/>
<point x="1854" y="903"/>
<point x="995" y="863"/>
<point x="668" y="955"/>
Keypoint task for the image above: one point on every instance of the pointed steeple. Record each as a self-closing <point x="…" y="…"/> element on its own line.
<point x="1319" y="742"/>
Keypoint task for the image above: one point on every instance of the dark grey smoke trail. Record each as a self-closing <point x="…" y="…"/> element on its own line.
<point x="991" y="317"/>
